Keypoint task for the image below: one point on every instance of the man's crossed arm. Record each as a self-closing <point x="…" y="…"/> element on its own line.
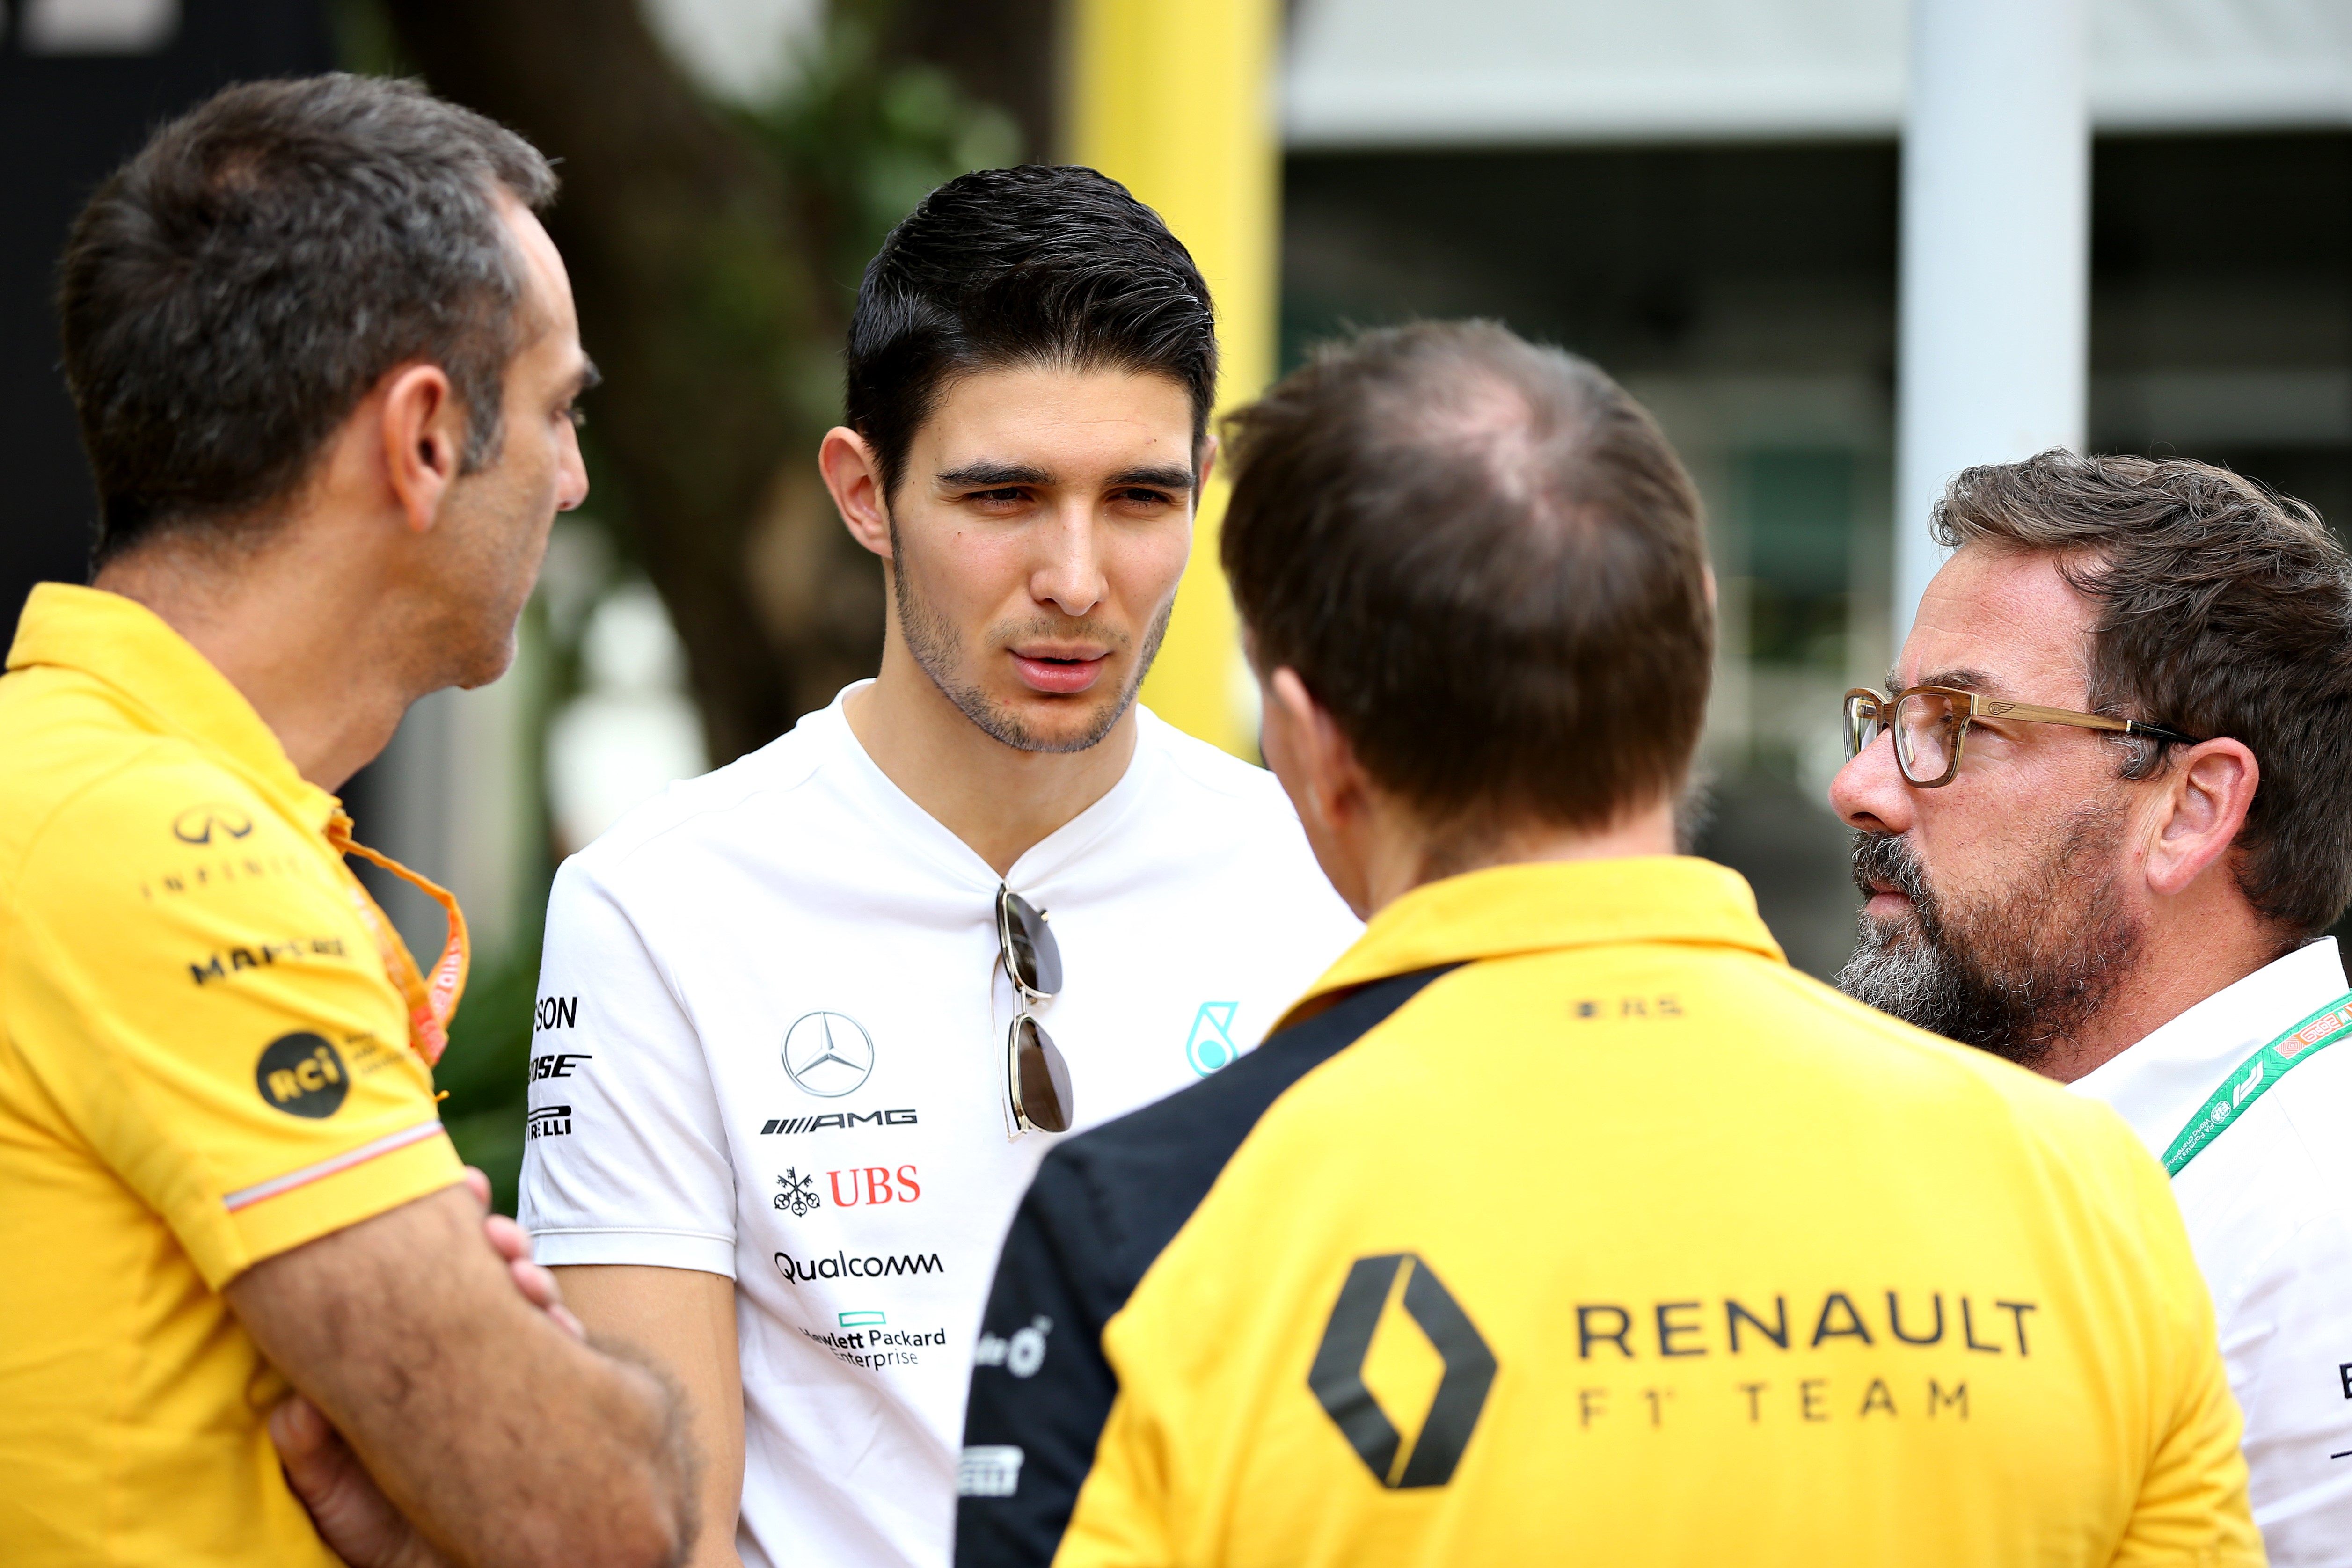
<point x="475" y="1409"/>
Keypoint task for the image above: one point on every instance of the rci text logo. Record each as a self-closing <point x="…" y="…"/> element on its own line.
<point x="301" y="1075"/>
<point x="1336" y="1379"/>
<point x="1211" y="1044"/>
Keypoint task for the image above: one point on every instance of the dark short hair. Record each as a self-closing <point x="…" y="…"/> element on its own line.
<point x="232" y="292"/>
<point x="1033" y="266"/>
<point x="2224" y="609"/>
<point x="1484" y="561"/>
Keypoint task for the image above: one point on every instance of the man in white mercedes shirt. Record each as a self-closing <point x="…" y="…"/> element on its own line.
<point x="809" y="1023"/>
<point x="2105" y="814"/>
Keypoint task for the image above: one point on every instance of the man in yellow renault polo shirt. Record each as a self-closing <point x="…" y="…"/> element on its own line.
<point x="1564" y="1222"/>
<point x="324" y="358"/>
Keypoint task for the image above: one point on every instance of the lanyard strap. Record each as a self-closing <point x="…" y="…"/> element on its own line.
<point x="2273" y="1063"/>
<point x="430" y="1004"/>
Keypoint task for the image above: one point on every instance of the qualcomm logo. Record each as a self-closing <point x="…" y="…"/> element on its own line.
<point x="1211" y="1044"/>
<point x="828" y="1054"/>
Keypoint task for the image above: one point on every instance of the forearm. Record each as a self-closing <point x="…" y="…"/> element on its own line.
<point x="684" y="1321"/>
<point x="508" y="1441"/>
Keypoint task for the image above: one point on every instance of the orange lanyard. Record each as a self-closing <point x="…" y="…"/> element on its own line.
<point x="430" y="1003"/>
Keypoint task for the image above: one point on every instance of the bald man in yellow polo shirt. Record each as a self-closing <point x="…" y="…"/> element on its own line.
<point x="325" y="358"/>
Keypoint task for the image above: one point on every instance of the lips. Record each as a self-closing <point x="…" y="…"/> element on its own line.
<point x="1059" y="674"/>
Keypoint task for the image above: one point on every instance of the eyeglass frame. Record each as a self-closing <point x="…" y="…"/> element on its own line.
<point x="1025" y="996"/>
<point x="1974" y="706"/>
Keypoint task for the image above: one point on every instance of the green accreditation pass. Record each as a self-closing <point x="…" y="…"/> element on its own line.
<point x="2253" y="1079"/>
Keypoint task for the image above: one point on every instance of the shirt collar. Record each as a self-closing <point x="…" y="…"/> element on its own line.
<point x="2157" y="1084"/>
<point x="1546" y="905"/>
<point x="130" y="648"/>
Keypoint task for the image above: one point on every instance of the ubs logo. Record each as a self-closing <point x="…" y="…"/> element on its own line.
<point x="301" y="1075"/>
<point x="828" y="1054"/>
<point x="201" y="824"/>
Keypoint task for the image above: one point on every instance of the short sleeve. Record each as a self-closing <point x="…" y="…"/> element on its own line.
<point x="626" y="1156"/>
<point x="2192" y="1505"/>
<point x="212" y="1020"/>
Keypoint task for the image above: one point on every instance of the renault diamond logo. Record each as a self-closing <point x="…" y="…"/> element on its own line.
<point x="1336" y="1379"/>
<point x="828" y="1054"/>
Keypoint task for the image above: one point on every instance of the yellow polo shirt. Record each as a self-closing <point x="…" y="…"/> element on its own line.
<point x="1566" y="1223"/>
<point x="203" y="1063"/>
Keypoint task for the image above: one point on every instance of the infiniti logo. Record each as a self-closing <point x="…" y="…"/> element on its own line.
<point x="828" y="1054"/>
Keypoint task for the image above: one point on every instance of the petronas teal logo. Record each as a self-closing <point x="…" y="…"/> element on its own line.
<point x="1211" y="1045"/>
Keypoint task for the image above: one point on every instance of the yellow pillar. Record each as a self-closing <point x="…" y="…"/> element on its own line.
<point x="1174" y="98"/>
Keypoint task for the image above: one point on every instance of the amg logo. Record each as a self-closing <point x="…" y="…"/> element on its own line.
<point x="904" y="1118"/>
<point x="548" y="1121"/>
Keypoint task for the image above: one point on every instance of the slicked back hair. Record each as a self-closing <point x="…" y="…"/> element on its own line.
<point x="231" y="294"/>
<point x="1030" y="267"/>
<point x="1484" y="562"/>
<point x="2223" y="610"/>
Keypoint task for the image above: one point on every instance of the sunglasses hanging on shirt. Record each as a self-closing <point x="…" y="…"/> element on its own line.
<point x="1036" y="1079"/>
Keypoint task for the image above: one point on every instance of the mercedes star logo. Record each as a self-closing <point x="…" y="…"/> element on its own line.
<point x="828" y="1054"/>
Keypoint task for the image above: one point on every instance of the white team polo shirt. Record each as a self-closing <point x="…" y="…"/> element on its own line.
<point x="770" y="1045"/>
<point x="2269" y="1207"/>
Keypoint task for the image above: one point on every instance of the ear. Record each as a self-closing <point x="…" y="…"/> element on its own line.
<point x="424" y="429"/>
<point x="1319" y="766"/>
<point x="2205" y="797"/>
<point x="1208" y="466"/>
<point x="854" y="475"/>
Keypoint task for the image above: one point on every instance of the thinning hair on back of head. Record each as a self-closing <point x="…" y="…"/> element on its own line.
<point x="2223" y="610"/>
<point x="1030" y="267"/>
<point x="230" y="294"/>
<point x="1483" y="560"/>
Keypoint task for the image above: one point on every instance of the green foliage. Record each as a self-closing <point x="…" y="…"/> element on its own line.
<point x="863" y="138"/>
<point x="487" y="1069"/>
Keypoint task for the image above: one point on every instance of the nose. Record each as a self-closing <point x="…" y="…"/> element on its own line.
<point x="1068" y="571"/>
<point x="1869" y="792"/>
<point x="571" y="471"/>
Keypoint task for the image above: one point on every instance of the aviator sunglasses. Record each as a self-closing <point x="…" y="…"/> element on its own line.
<point x="1036" y="1079"/>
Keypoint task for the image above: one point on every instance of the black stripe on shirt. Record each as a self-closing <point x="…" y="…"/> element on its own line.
<point x="1103" y="1206"/>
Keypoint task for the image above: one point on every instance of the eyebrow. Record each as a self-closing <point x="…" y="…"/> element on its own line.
<point x="589" y="379"/>
<point x="994" y="475"/>
<point x="1167" y="478"/>
<point x="1959" y="680"/>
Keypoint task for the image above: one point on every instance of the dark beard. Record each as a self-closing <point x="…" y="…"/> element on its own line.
<point x="938" y="650"/>
<point x="2015" y="976"/>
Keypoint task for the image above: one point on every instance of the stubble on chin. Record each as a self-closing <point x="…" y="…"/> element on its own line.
<point x="938" y="650"/>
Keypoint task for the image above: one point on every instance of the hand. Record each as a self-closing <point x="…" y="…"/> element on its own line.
<point x="352" y="1516"/>
<point x="509" y="1240"/>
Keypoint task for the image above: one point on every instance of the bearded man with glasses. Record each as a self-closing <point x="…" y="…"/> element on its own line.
<point x="2105" y="815"/>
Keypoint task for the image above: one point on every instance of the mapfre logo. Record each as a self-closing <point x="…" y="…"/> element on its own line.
<point x="828" y="1054"/>
<point x="301" y="1075"/>
<point x="209" y="824"/>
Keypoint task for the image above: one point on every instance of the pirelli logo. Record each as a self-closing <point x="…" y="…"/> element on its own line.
<point x="842" y="1120"/>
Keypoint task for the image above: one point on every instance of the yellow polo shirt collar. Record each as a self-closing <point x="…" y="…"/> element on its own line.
<point x="122" y="642"/>
<point x="1540" y="906"/>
